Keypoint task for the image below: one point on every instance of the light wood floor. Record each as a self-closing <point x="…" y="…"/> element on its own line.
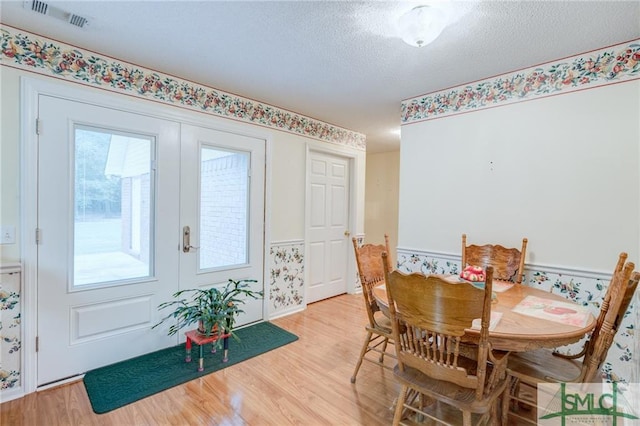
<point x="303" y="383"/>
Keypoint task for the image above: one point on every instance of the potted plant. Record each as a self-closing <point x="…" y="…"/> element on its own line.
<point x="214" y="309"/>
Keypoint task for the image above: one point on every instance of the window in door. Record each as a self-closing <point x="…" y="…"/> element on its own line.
<point x="224" y="207"/>
<point x="113" y="201"/>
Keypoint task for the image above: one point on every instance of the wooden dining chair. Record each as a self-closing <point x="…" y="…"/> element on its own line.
<point x="371" y="272"/>
<point x="544" y="365"/>
<point x="508" y="263"/>
<point x="604" y="308"/>
<point x="429" y="317"/>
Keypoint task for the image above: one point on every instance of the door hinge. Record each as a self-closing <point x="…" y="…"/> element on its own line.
<point x="37" y="343"/>
<point x="38" y="235"/>
<point x="38" y="126"/>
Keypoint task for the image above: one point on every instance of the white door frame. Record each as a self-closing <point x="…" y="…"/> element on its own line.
<point x="353" y="197"/>
<point x="30" y="89"/>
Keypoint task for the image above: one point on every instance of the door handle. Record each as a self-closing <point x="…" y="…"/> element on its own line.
<point x="186" y="240"/>
<point x="347" y="233"/>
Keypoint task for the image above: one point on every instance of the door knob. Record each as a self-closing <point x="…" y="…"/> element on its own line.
<point x="186" y="240"/>
<point x="347" y="233"/>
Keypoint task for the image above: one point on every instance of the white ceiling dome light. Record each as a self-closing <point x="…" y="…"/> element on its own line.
<point x="421" y="25"/>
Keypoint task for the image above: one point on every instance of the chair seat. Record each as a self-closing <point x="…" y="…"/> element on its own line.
<point x="542" y="366"/>
<point x="456" y="396"/>
<point x="530" y="369"/>
<point x="383" y="324"/>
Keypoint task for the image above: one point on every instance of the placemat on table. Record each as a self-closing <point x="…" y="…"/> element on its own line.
<point x="553" y="310"/>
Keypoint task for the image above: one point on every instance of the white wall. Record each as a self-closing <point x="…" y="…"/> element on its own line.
<point x="562" y="171"/>
<point x="381" y="198"/>
<point x="288" y="160"/>
<point x="9" y="160"/>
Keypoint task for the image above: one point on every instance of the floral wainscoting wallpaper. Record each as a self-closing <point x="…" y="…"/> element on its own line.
<point x="584" y="289"/>
<point x="286" y="290"/>
<point x="10" y="329"/>
<point x="34" y="53"/>
<point x="592" y="69"/>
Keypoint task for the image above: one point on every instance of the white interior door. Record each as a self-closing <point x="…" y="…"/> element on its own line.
<point x="327" y="229"/>
<point x="222" y="209"/>
<point x="108" y="220"/>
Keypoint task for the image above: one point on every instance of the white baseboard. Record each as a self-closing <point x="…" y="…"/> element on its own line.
<point x="288" y="312"/>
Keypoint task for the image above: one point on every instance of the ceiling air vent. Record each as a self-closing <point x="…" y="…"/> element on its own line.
<point x="39" y="6"/>
<point x="45" y="9"/>
<point x="78" y="21"/>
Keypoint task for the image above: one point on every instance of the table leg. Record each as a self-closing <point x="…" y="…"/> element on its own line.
<point x="225" y="358"/>
<point x="201" y="365"/>
<point x="187" y="346"/>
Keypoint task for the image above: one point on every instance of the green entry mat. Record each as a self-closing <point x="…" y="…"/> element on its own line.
<point x="128" y="381"/>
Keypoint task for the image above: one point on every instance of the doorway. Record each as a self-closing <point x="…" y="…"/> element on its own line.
<point x="116" y="190"/>
<point x="329" y="237"/>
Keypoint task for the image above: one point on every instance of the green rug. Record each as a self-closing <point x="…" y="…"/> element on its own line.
<point x="128" y="381"/>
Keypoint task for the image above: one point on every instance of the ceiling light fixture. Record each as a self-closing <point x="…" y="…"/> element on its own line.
<point x="421" y="25"/>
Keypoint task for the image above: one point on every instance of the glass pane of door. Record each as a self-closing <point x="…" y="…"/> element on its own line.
<point x="113" y="205"/>
<point x="224" y="207"/>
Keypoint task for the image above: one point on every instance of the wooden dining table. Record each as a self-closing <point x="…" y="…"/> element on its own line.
<point x="515" y="331"/>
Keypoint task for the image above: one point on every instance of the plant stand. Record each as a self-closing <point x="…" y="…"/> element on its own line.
<point x="201" y="340"/>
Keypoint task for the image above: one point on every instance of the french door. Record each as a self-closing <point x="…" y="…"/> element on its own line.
<point x="116" y="191"/>
<point x="222" y="227"/>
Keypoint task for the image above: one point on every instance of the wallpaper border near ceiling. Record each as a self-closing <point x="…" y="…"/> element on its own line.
<point x="35" y="53"/>
<point x="610" y="65"/>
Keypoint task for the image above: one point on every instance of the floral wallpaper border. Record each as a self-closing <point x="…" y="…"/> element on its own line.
<point x="286" y="282"/>
<point x="10" y="329"/>
<point x="592" y="69"/>
<point x="31" y="52"/>
<point x="584" y="288"/>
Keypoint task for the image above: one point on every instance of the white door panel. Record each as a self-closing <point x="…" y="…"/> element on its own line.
<point x="328" y="226"/>
<point x="222" y="204"/>
<point x="98" y="284"/>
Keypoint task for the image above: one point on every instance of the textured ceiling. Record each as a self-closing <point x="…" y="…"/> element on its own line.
<point x="336" y="61"/>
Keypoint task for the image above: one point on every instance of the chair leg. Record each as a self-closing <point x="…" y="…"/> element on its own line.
<point x="400" y="405"/>
<point x="365" y="349"/>
<point x="466" y="418"/>
<point x="384" y="349"/>
<point x="506" y="399"/>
